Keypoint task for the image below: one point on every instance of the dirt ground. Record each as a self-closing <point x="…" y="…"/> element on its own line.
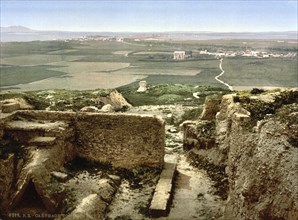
<point x="193" y="195"/>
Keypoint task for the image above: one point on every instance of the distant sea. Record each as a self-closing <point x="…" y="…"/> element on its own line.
<point x="56" y="35"/>
<point x="42" y="36"/>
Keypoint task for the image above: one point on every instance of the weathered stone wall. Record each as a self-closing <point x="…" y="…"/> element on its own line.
<point x="51" y="139"/>
<point x="7" y="171"/>
<point x="211" y="107"/>
<point x="123" y="140"/>
<point x="202" y="135"/>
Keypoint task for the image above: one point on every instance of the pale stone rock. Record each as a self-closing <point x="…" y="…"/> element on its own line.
<point x="89" y="109"/>
<point x="142" y="86"/>
<point x="59" y="175"/>
<point x="116" y="100"/>
<point x="107" y="108"/>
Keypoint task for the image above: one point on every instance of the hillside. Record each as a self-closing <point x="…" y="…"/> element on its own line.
<point x="16" y="29"/>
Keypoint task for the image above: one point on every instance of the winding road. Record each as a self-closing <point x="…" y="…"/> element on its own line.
<point x="222" y="72"/>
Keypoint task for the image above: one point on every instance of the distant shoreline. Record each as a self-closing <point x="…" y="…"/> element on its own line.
<point x="65" y="35"/>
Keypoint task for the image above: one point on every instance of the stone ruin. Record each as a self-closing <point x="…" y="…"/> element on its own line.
<point x="40" y="143"/>
<point x="255" y="161"/>
<point x="142" y="86"/>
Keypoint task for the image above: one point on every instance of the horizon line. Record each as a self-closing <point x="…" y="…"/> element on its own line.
<point x="153" y="31"/>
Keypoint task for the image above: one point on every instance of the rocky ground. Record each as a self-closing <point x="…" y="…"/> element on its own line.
<point x="129" y="193"/>
<point x="194" y="195"/>
<point x="242" y="164"/>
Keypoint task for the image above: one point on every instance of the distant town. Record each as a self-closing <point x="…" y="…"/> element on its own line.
<point x="249" y="53"/>
<point x="181" y="55"/>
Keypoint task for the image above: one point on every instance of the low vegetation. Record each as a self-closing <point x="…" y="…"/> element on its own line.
<point x="271" y="72"/>
<point x="14" y="75"/>
<point x="59" y="100"/>
<point x="163" y="94"/>
<point x="259" y="108"/>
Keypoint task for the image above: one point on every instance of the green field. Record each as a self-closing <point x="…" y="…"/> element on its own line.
<point x="12" y="75"/>
<point x="36" y="59"/>
<point x="114" y="64"/>
<point x="273" y="72"/>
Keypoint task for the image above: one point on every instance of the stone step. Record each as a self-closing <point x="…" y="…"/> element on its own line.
<point x="162" y="193"/>
<point x="35" y="125"/>
<point x="24" y="131"/>
<point x="42" y="141"/>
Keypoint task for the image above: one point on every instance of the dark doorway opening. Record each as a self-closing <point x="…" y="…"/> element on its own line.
<point x="31" y="205"/>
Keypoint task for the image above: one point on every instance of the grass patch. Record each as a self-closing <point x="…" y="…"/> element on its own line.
<point x="261" y="72"/>
<point x="161" y="94"/>
<point x="81" y="67"/>
<point x="36" y="59"/>
<point x="14" y="75"/>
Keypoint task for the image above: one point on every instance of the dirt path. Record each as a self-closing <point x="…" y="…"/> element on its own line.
<point x="222" y="72"/>
<point x="193" y="194"/>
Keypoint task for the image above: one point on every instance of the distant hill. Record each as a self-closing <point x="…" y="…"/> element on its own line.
<point x="16" y="29"/>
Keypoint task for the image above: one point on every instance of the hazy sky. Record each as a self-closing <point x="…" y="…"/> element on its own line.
<point x="154" y="15"/>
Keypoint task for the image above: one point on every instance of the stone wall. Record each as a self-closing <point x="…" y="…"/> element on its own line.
<point x="7" y="170"/>
<point x="123" y="140"/>
<point x="46" y="141"/>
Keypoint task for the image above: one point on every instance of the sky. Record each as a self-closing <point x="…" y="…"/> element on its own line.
<point x="152" y="16"/>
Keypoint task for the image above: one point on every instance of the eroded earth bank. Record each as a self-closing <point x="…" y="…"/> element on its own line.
<point x="237" y="160"/>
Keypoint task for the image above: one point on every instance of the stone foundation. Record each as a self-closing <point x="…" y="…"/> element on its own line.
<point x="42" y="142"/>
<point x="123" y="140"/>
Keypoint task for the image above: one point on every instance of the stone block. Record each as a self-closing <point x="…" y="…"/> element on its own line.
<point x="42" y="141"/>
<point x="10" y="107"/>
<point x="162" y="193"/>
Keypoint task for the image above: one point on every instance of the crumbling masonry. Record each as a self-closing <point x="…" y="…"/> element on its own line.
<point x="44" y="141"/>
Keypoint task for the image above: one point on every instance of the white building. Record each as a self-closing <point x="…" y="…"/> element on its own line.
<point x="179" y="55"/>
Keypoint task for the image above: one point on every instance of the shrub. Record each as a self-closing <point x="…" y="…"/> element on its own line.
<point x="255" y="91"/>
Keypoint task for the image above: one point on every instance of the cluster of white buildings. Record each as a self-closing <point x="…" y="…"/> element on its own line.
<point x="248" y="53"/>
<point x="101" y="38"/>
